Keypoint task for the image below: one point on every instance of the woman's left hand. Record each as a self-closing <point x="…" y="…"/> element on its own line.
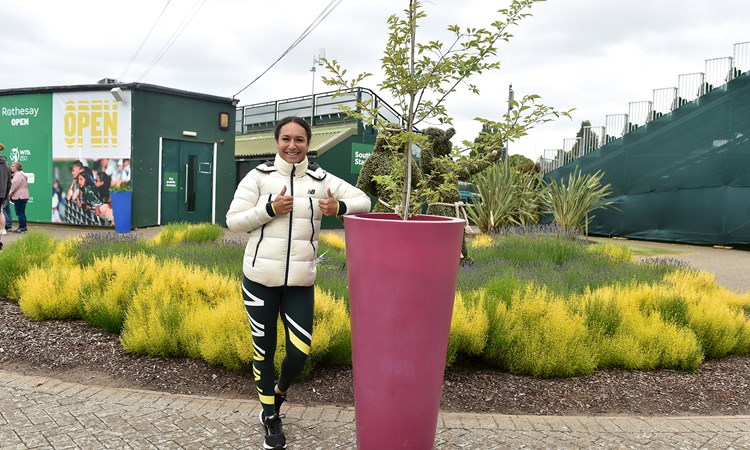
<point x="329" y="205"/>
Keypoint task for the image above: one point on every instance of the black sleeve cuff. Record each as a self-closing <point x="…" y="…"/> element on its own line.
<point x="342" y="208"/>
<point x="269" y="209"/>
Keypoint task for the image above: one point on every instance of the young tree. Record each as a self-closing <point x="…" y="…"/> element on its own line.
<point x="420" y="76"/>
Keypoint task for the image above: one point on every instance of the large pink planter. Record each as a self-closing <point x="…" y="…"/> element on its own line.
<point x="402" y="282"/>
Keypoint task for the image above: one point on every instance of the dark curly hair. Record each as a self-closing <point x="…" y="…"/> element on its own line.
<point x="298" y="120"/>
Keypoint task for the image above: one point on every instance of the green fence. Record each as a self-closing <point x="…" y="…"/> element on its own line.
<point x="684" y="177"/>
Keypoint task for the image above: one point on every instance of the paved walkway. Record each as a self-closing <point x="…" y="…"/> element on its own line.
<point x="38" y="412"/>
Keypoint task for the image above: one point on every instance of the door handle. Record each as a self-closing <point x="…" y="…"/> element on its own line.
<point x="186" y="183"/>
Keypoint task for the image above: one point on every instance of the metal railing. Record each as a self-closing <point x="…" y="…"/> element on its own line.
<point x="690" y="87"/>
<point x="664" y="102"/>
<point x="318" y="109"/>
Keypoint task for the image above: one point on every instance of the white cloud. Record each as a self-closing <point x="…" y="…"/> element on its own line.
<point x="592" y="55"/>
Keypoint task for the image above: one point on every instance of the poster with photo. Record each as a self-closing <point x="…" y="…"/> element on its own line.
<point x="90" y="155"/>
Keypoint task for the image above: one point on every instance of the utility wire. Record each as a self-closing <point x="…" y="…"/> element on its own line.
<point x="140" y="47"/>
<point x="328" y="10"/>
<point x="175" y="35"/>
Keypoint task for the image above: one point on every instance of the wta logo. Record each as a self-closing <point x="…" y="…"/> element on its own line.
<point x="90" y="124"/>
<point x="17" y="155"/>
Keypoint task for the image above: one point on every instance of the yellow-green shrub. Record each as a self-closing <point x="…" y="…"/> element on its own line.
<point x="469" y="326"/>
<point x="538" y="335"/>
<point x="716" y="315"/>
<point x="663" y="299"/>
<point x="721" y="330"/>
<point x="332" y="333"/>
<point x="333" y="240"/>
<point x="154" y="320"/>
<point x="642" y="338"/>
<point x="109" y="284"/>
<point x="615" y="252"/>
<point x="49" y="293"/>
<point x="692" y="279"/>
<point x="176" y="233"/>
<point x="480" y="241"/>
<point x="64" y="252"/>
<point x="20" y="256"/>
<point x="220" y="334"/>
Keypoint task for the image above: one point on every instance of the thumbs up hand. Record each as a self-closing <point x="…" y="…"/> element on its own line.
<point x="282" y="204"/>
<point x="329" y="205"/>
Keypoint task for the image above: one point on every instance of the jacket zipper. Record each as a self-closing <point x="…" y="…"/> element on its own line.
<point x="260" y="239"/>
<point x="312" y="226"/>
<point x="291" y="219"/>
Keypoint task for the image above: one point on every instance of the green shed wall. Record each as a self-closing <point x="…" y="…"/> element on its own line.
<point x="158" y="115"/>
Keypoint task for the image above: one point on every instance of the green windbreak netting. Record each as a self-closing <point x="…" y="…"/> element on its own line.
<point x="684" y="177"/>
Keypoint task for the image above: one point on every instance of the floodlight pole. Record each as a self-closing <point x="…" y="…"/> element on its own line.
<point x="317" y="61"/>
<point x="510" y="108"/>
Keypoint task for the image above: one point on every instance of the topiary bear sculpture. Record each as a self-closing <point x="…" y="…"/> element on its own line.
<point x="383" y="173"/>
<point x="442" y="173"/>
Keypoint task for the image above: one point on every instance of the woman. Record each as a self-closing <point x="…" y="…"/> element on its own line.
<point x="19" y="194"/>
<point x="88" y="198"/>
<point x="281" y="203"/>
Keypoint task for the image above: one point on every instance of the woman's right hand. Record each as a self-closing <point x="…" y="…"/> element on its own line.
<point x="282" y="204"/>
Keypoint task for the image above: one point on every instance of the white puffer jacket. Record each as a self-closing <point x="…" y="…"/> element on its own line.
<point x="282" y="249"/>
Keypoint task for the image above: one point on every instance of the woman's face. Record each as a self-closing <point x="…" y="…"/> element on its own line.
<point x="292" y="143"/>
<point x="13" y="167"/>
<point x="81" y="180"/>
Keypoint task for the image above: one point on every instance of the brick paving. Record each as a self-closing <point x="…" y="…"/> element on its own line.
<point x="39" y="412"/>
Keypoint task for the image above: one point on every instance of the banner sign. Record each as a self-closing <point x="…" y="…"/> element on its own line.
<point x="25" y="131"/>
<point x="360" y="153"/>
<point x="73" y="147"/>
<point x="91" y="125"/>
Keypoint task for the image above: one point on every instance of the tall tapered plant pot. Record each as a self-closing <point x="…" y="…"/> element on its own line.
<point x="402" y="282"/>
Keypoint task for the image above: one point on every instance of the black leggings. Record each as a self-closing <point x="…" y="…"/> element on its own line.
<point x="263" y="304"/>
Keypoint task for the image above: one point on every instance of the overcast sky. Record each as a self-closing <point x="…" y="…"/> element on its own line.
<point x="592" y="55"/>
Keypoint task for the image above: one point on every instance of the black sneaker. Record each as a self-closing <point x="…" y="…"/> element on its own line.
<point x="275" y="439"/>
<point x="21" y="230"/>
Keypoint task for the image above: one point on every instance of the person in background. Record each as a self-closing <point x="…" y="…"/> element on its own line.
<point x="19" y="194"/>
<point x="58" y="202"/>
<point x="281" y="204"/>
<point x="75" y="169"/>
<point x="88" y="198"/>
<point x="8" y="218"/>
<point x="102" y="182"/>
<point x="5" y="176"/>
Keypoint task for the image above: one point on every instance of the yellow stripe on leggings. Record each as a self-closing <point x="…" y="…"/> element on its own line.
<point x="258" y="357"/>
<point x="304" y="348"/>
<point x="266" y="399"/>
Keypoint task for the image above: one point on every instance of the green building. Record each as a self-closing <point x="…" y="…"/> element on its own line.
<point x="78" y="144"/>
